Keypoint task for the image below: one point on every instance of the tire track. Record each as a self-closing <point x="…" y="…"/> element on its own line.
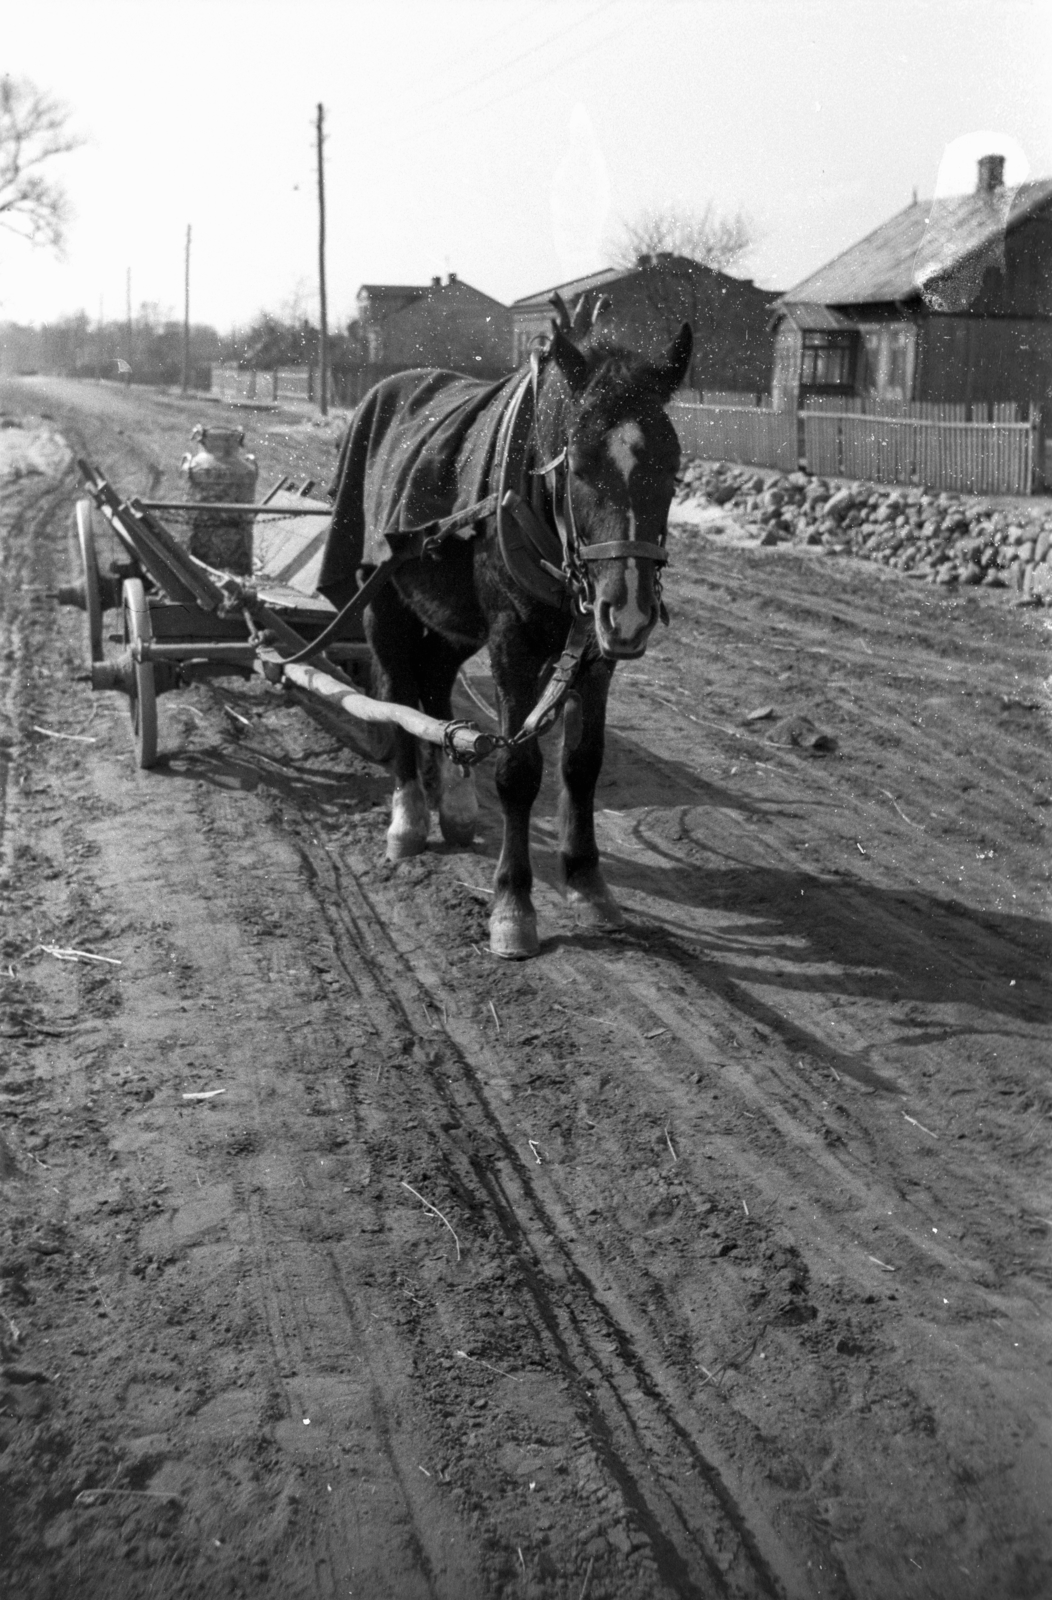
<point x="684" y="1530"/>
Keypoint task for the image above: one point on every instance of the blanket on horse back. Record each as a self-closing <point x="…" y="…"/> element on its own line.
<point x="421" y="446"/>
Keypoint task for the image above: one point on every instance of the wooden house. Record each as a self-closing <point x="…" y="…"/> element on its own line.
<point x="449" y="325"/>
<point x="950" y="301"/>
<point x="649" y="303"/>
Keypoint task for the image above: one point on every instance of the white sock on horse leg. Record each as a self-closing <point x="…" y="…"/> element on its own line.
<point x="410" y="821"/>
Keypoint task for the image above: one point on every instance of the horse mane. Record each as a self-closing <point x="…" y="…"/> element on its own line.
<point x="619" y="383"/>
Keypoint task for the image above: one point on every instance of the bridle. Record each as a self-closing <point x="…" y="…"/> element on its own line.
<point x="576" y="553"/>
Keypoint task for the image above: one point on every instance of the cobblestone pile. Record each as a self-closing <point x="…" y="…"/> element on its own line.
<point x="943" y="538"/>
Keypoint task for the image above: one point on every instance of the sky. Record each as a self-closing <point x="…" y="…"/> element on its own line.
<point x="504" y="140"/>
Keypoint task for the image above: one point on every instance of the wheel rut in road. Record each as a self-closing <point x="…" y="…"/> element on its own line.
<point x="626" y="1405"/>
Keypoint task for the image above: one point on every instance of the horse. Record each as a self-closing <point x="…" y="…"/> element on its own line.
<point x="529" y="515"/>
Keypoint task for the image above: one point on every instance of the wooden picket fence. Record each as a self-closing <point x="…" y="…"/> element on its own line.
<point x="234" y="384"/>
<point x="748" y="435"/>
<point x="929" y="445"/>
<point x="970" y="457"/>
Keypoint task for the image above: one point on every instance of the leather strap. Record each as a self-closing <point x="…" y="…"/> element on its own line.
<point x="561" y="681"/>
<point x="354" y="607"/>
<point x="617" y="548"/>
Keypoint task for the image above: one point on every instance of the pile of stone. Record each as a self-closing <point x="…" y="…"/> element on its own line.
<point x="943" y="538"/>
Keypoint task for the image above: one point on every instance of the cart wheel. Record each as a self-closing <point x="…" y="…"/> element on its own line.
<point x="92" y="588"/>
<point x="142" y="699"/>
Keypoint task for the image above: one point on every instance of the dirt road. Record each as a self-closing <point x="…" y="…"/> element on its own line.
<point x="706" y="1259"/>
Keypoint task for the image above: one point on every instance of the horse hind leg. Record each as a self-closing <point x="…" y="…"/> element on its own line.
<point x="410" y="820"/>
<point x="449" y="786"/>
<point x="395" y="636"/>
<point x="450" y="790"/>
<point x="458" y="803"/>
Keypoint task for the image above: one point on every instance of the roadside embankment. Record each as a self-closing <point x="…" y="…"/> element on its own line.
<point x="943" y="538"/>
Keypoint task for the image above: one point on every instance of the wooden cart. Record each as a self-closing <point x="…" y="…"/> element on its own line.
<point x="182" y="621"/>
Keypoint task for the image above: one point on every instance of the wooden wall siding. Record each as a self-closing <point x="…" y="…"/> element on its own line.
<point x="750" y="435"/>
<point x="785" y="374"/>
<point x="992" y="358"/>
<point x="1024" y="287"/>
<point x="969" y="457"/>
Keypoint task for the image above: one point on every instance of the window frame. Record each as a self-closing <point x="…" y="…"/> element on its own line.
<point x="841" y="342"/>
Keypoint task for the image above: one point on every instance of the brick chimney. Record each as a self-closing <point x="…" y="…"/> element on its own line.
<point x="991" y="174"/>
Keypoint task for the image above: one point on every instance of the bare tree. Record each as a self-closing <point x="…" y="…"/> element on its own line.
<point x="716" y="240"/>
<point x="33" y="129"/>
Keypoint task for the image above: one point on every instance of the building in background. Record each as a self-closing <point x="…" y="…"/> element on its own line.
<point x="948" y="302"/>
<point x="450" y="325"/>
<point x="730" y="317"/>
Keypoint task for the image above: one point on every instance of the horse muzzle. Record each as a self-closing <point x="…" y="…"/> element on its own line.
<point x="622" y="632"/>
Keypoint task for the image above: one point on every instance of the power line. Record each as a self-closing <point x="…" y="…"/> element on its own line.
<point x="520" y="88"/>
<point x="542" y="44"/>
<point x="557" y="66"/>
<point x="515" y="22"/>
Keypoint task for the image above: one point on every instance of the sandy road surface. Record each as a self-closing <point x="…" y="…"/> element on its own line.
<point x="727" y="1269"/>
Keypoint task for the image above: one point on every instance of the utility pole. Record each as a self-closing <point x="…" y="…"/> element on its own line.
<point x="186" y="315"/>
<point x="127" y="311"/>
<point x="98" y="346"/>
<point x="323" y="376"/>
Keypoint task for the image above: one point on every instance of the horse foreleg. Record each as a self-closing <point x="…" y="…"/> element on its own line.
<point x="513" y="921"/>
<point x="458" y="803"/>
<point x="584" y="724"/>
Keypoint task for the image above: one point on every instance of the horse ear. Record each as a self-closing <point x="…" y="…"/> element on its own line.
<point x="676" y="364"/>
<point x="602" y="305"/>
<point x="562" y="316"/>
<point x="581" y="321"/>
<point x="569" y="360"/>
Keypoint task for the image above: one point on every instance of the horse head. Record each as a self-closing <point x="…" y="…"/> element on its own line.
<point x="605" y="424"/>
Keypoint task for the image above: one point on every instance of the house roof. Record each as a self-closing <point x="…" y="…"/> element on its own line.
<point x="399" y="289"/>
<point x="814" y="319"/>
<point x="678" y="266"/>
<point x="926" y="240"/>
<point x="572" y="288"/>
<point x="455" y="286"/>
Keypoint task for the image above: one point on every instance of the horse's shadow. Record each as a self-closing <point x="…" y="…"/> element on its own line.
<point x="784" y="927"/>
<point x="762" y="926"/>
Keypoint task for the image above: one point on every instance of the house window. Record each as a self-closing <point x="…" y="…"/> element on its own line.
<point x="827" y="361"/>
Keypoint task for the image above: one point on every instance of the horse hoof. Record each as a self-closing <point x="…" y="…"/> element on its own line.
<point x="595" y="911"/>
<point x="514" y="938"/>
<point x="458" y="835"/>
<point x="410" y="823"/>
<point x="400" y="846"/>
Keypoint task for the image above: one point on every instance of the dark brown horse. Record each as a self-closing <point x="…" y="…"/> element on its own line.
<point x="539" y="510"/>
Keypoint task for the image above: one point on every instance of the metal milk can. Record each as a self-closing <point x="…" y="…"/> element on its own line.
<point x="219" y="472"/>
